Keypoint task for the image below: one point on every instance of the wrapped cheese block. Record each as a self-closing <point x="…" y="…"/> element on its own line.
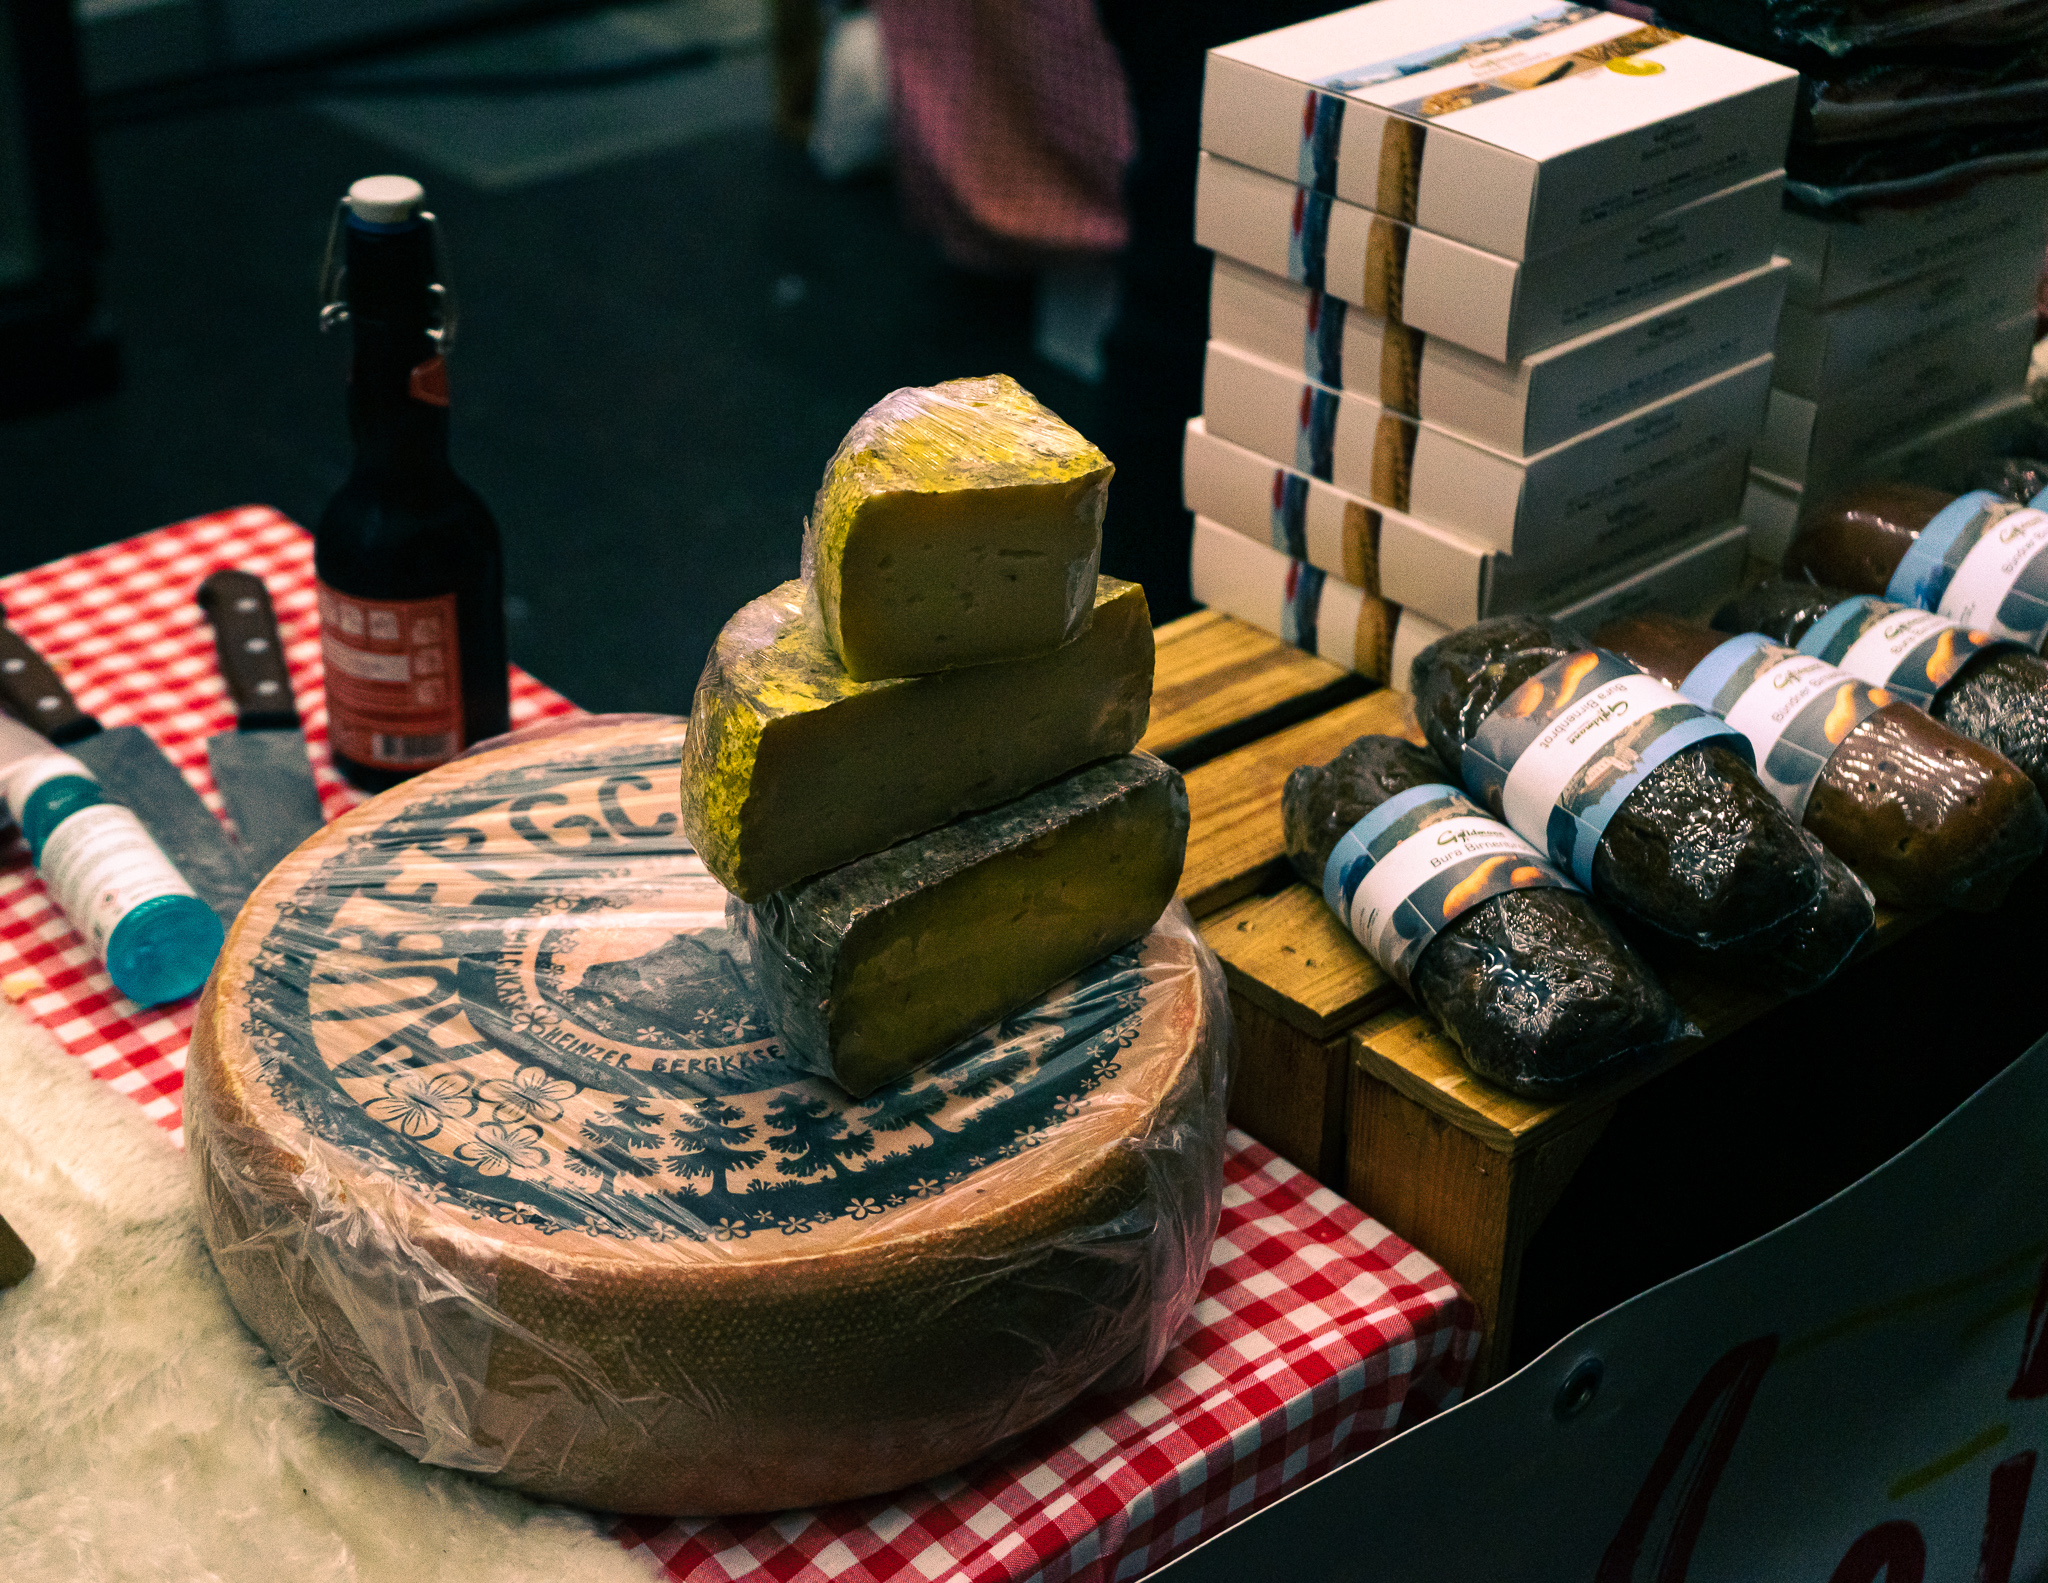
<point x="793" y="767"/>
<point x="957" y="524"/>
<point x="872" y="969"/>
<point x="498" y="1154"/>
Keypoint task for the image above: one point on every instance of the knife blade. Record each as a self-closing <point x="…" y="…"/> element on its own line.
<point x="261" y="766"/>
<point x="131" y="768"/>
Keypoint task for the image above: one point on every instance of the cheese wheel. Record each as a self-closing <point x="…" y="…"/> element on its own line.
<point x="498" y="1155"/>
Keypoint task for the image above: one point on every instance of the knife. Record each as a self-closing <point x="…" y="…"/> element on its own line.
<point x="261" y="766"/>
<point x="131" y="768"/>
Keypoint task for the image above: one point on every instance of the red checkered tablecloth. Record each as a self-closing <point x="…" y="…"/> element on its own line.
<point x="122" y="626"/>
<point x="1318" y="1332"/>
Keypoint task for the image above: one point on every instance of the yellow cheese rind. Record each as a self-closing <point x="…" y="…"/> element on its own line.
<point x="958" y="524"/>
<point x="792" y="767"/>
<point x="494" y="1156"/>
<point x="871" y="969"/>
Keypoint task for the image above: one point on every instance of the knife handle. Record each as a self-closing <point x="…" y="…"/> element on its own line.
<point x="34" y="692"/>
<point x="251" y="653"/>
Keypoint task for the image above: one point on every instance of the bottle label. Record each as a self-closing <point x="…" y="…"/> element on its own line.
<point x="1563" y="752"/>
<point x="1415" y="863"/>
<point x="429" y="382"/>
<point x="1913" y="653"/>
<point x="101" y="865"/>
<point x="394" y="679"/>
<point x="1983" y="561"/>
<point x="1795" y="708"/>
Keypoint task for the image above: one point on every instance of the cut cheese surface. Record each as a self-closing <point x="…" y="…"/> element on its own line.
<point x="498" y="1153"/>
<point x="792" y="767"/>
<point x="958" y="524"/>
<point x="872" y="969"/>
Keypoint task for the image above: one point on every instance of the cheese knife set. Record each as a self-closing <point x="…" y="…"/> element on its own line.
<point x="261" y="768"/>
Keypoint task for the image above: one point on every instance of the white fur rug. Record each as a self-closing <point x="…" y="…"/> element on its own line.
<point x="145" y="1434"/>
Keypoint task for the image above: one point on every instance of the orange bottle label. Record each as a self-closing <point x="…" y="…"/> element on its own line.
<point x="393" y="679"/>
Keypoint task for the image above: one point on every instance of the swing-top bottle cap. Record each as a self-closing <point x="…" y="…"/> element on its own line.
<point x="386" y="200"/>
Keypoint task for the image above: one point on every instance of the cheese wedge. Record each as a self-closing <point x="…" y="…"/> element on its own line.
<point x="793" y="767"/>
<point x="498" y="1154"/>
<point x="958" y="524"/>
<point x="870" y="970"/>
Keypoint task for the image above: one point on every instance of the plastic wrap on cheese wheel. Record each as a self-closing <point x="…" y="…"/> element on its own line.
<point x="1996" y="695"/>
<point x="1700" y="852"/>
<point x="498" y="1153"/>
<point x="1926" y="816"/>
<point x="1538" y="991"/>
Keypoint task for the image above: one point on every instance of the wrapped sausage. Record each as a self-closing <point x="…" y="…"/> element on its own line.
<point x="1927" y="817"/>
<point x="1992" y="690"/>
<point x="1980" y="559"/>
<point x="1680" y="840"/>
<point x="1536" y="989"/>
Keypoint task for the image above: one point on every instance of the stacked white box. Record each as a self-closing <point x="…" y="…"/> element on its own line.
<point x="1491" y="318"/>
<point x="1900" y="321"/>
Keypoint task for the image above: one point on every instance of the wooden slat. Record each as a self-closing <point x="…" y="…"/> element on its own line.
<point x="1292" y="956"/>
<point x="1222" y="682"/>
<point x="1235" y="845"/>
<point x="1404" y="1049"/>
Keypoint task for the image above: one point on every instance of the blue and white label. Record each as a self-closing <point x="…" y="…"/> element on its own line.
<point x="1308" y="238"/>
<point x="1315" y="432"/>
<point x="1795" y="708"/>
<point x="1322" y="340"/>
<point x="1912" y="653"/>
<point x="1561" y="755"/>
<point x="1980" y="562"/>
<point x="1408" y="869"/>
<point x="1322" y="128"/>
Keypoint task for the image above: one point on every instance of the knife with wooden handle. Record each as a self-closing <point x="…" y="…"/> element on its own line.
<point x="261" y="766"/>
<point x="131" y="768"/>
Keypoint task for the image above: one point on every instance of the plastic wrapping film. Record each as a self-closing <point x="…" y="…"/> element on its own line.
<point x="793" y="767"/>
<point x="1927" y="817"/>
<point x="1536" y="989"/>
<point x="1700" y="859"/>
<point x="497" y="1154"/>
<point x="1997" y="696"/>
<point x="873" y="968"/>
<point x="1800" y="30"/>
<point x="957" y="524"/>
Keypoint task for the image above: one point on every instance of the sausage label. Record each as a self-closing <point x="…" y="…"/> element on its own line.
<point x="1981" y="561"/>
<point x="1914" y="654"/>
<point x="1566" y="748"/>
<point x="1419" y="860"/>
<point x="1795" y="708"/>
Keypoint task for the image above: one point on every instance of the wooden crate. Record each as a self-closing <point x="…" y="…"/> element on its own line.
<point x="1221" y="683"/>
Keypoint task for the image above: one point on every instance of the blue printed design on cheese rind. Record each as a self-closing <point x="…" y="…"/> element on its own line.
<point x="527" y="1056"/>
<point x="1615" y="763"/>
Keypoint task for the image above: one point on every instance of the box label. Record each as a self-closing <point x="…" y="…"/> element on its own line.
<point x="1412" y="866"/>
<point x="1795" y="708"/>
<point x="1913" y="653"/>
<point x="1562" y="754"/>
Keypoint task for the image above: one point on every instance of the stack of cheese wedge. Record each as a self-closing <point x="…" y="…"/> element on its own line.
<point x="915" y="764"/>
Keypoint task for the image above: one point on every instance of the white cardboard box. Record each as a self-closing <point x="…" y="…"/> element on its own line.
<point x="1428" y="569"/>
<point x="1518" y="130"/>
<point x="1822" y="444"/>
<point x="1878" y="246"/>
<point x="1537" y="506"/>
<point x="1519" y="407"/>
<point x="1854" y="348"/>
<point x="1312" y="610"/>
<point x="1498" y="307"/>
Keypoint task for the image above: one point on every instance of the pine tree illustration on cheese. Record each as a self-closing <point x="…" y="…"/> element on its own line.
<point x="872" y="969"/>
<point x="792" y="767"/>
<point x="958" y="524"/>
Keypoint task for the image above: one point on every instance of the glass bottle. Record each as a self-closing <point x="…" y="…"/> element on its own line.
<point x="411" y="580"/>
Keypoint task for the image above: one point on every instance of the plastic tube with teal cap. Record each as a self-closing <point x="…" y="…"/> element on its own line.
<point x="113" y="882"/>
